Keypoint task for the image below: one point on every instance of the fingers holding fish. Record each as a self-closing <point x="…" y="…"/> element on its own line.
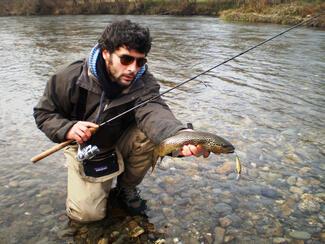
<point x="194" y="150"/>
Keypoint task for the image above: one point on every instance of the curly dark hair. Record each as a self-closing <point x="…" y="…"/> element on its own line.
<point x="125" y="33"/>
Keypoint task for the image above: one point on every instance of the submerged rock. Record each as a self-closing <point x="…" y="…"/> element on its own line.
<point x="292" y="180"/>
<point x="300" y="235"/>
<point x="309" y="203"/>
<point x="270" y="193"/>
<point x="226" y="168"/>
<point x="225" y="222"/>
<point x="219" y="234"/>
<point x="223" y="208"/>
<point x="279" y="240"/>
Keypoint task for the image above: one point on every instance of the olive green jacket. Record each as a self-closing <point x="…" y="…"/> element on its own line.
<point x="56" y="112"/>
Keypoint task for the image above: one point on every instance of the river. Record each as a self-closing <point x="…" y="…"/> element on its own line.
<point x="269" y="103"/>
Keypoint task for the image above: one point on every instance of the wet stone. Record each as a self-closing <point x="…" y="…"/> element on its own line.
<point x="229" y="238"/>
<point x="309" y="203"/>
<point x="304" y="170"/>
<point x="224" y="222"/>
<point x="223" y="208"/>
<point x="300" y="235"/>
<point x="45" y="209"/>
<point x="236" y="221"/>
<point x="270" y="193"/>
<point x="13" y="184"/>
<point x="208" y="238"/>
<point x="322" y="236"/>
<point x="321" y="195"/>
<point x="219" y="235"/>
<point x="166" y="200"/>
<point x="292" y="158"/>
<point x="322" y="166"/>
<point x="269" y="177"/>
<point x="279" y="240"/>
<point x="103" y="241"/>
<point x="226" y="168"/>
<point x="296" y="190"/>
<point x="292" y="180"/>
<point x="287" y="207"/>
<point x="301" y="182"/>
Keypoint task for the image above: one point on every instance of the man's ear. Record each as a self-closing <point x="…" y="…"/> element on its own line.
<point x="105" y="54"/>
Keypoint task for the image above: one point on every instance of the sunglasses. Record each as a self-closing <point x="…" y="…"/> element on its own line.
<point x="127" y="60"/>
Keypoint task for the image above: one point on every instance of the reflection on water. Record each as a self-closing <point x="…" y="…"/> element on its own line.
<point x="269" y="104"/>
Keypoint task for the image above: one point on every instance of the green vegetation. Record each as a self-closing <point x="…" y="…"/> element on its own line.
<point x="279" y="12"/>
<point x="268" y="11"/>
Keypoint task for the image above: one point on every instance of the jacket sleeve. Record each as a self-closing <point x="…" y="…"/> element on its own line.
<point x="155" y="118"/>
<point x="53" y="111"/>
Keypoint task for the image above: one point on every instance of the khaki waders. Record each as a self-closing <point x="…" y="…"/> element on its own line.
<point x="87" y="196"/>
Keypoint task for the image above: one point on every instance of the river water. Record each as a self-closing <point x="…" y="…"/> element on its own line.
<point x="269" y="103"/>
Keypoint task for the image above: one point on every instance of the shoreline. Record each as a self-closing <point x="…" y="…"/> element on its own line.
<point x="253" y="11"/>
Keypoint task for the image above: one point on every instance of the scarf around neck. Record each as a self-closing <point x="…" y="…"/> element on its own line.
<point x="97" y="66"/>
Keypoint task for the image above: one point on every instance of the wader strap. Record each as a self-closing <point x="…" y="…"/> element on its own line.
<point x="81" y="105"/>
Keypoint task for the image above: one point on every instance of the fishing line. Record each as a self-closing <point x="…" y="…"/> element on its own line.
<point x="208" y="70"/>
<point x="63" y="144"/>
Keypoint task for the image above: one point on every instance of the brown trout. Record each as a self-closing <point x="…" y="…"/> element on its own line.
<point x="208" y="141"/>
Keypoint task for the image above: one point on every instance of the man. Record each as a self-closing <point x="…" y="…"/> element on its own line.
<point x="86" y="93"/>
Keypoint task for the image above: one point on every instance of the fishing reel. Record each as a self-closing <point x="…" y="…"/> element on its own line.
<point x="87" y="152"/>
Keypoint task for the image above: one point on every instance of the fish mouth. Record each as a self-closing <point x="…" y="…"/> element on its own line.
<point x="228" y="148"/>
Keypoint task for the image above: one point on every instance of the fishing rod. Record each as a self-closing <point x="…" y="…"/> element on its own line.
<point x="93" y="130"/>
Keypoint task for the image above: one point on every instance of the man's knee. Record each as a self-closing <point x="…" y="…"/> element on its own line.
<point x="135" y="142"/>
<point x="85" y="214"/>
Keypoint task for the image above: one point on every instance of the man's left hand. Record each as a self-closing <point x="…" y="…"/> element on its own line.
<point x="192" y="150"/>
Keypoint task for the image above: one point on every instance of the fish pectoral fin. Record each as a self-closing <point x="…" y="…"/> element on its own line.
<point x="155" y="163"/>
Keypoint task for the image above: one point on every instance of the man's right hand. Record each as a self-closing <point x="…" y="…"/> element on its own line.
<point x="80" y="131"/>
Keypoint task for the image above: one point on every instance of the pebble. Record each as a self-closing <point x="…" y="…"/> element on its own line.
<point x="269" y="177"/>
<point x="229" y="238"/>
<point x="208" y="238"/>
<point x="322" y="236"/>
<point x="225" y="222"/>
<point x="304" y="170"/>
<point x="287" y="207"/>
<point x="175" y="240"/>
<point x="322" y="166"/>
<point x="270" y="193"/>
<point x="301" y="182"/>
<point x="219" y="234"/>
<point x="279" y="240"/>
<point x="226" y="168"/>
<point x="292" y="180"/>
<point x="292" y="158"/>
<point x="309" y="203"/>
<point x="322" y="218"/>
<point x="103" y="241"/>
<point x="45" y="209"/>
<point x="166" y="200"/>
<point x="296" y="190"/>
<point x="300" y="235"/>
<point x="13" y="184"/>
<point x="222" y="208"/>
<point x="321" y="195"/>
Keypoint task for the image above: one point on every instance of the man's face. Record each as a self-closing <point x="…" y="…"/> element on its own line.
<point x="123" y="64"/>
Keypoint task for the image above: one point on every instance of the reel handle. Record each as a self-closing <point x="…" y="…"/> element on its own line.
<point x="57" y="148"/>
